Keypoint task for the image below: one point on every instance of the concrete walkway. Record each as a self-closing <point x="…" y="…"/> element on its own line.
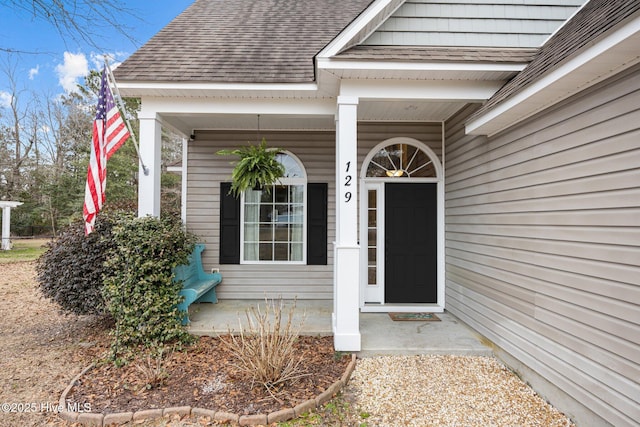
<point x="380" y="334"/>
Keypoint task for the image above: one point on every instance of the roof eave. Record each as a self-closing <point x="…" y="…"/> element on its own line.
<point x="336" y="65"/>
<point x="139" y="89"/>
<point x="361" y="27"/>
<point x="605" y="58"/>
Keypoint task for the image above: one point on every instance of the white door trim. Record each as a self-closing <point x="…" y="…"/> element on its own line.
<point x="372" y="300"/>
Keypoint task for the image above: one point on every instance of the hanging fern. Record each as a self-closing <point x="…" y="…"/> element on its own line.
<point x="258" y="167"/>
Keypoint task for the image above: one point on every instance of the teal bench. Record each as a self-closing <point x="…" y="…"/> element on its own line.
<point x="197" y="285"/>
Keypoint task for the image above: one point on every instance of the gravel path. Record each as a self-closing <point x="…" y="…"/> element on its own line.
<point x="437" y="390"/>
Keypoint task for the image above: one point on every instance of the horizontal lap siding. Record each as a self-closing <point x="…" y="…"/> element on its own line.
<point x="543" y="242"/>
<point x="504" y="23"/>
<point x="205" y="172"/>
<point x="316" y="150"/>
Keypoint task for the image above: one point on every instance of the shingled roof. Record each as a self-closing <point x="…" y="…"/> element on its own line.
<point x="439" y="54"/>
<point x="257" y="41"/>
<point x="592" y="21"/>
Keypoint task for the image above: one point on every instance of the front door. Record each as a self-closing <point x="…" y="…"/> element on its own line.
<point x="410" y="229"/>
<point x="401" y="235"/>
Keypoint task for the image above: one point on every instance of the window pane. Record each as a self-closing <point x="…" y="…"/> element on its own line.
<point x="296" y="233"/>
<point x="281" y="214"/>
<point x="281" y="194"/>
<point x="281" y="233"/>
<point x="372" y="218"/>
<point x="251" y="213"/>
<point x="266" y="252"/>
<point x="372" y="199"/>
<point x="372" y="237"/>
<point x="401" y="160"/>
<point x="372" y="255"/>
<point x="251" y="196"/>
<point x="296" y="252"/>
<point x="251" y="251"/>
<point x="266" y="232"/>
<point x="266" y="211"/>
<point x="297" y="214"/>
<point x="281" y="252"/>
<point x="372" y="276"/>
<point x="291" y="166"/>
<point x="297" y="194"/>
<point x="251" y="232"/>
<point x="266" y="196"/>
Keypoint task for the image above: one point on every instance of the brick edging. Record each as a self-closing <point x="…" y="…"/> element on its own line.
<point x="102" y="420"/>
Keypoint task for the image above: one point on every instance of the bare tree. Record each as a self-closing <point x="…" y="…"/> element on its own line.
<point x="19" y="135"/>
<point x="77" y="20"/>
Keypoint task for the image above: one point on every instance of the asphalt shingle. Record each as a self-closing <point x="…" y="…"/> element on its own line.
<point x="439" y="54"/>
<point x="262" y="41"/>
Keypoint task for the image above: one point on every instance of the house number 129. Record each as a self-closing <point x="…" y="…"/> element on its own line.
<point x="347" y="183"/>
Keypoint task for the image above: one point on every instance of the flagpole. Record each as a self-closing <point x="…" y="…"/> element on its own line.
<point x="112" y="79"/>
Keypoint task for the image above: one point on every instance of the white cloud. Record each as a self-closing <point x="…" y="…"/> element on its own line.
<point x="5" y="99"/>
<point x="74" y="67"/>
<point x="34" y="72"/>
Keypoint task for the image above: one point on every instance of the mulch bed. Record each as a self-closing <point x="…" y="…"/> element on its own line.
<point x="204" y="376"/>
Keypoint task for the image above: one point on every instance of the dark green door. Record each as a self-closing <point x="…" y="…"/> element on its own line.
<point x="411" y="272"/>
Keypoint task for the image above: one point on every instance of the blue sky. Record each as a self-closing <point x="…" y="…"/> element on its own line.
<point x="57" y="64"/>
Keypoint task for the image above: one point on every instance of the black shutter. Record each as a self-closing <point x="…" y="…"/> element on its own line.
<point x="317" y="206"/>
<point x="229" y="226"/>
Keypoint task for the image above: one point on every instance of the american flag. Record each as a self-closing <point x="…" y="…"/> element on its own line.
<point x="109" y="133"/>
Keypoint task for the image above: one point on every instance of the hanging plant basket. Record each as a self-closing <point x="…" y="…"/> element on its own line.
<point x="257" y="168"/>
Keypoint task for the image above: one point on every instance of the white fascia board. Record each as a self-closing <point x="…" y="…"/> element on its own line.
<point x="351" y="32"/>
<point x="432" y="90"/>
<point x="575" y="12"/>
<point x="493" y="121"/>
<point x="150" y="106"/>
<point x="329" y="64"/>
<point x="142" y="88"/>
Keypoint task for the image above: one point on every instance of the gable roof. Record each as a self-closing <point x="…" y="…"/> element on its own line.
<point x="257" y="41"/>
<point x="588" y="26"/>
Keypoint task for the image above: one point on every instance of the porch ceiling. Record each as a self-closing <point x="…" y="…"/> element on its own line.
<point x="368" y="110"/>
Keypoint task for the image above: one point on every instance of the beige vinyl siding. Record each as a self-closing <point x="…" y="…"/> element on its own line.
<point x="488" y="23"/>
<point x="543" y="242"/>
<point x="316" y="150"/>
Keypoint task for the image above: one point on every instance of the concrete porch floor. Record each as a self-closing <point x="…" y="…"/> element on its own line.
<point x="380" y="334"/>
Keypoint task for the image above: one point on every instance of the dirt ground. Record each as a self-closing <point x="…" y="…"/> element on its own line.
<point x="42" y="350"/>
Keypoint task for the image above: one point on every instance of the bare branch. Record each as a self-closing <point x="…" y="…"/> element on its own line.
<point x="88" y="21"/>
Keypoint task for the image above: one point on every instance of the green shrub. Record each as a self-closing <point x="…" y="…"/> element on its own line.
<point x="139" y="290"/>
<point x="70" y="271"/>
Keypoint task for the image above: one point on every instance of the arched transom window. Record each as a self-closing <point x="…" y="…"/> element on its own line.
<point x="401" y="161"/>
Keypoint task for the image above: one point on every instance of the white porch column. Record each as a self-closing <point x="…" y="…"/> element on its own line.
<point x="346" y="315"/>
<point x="150" y="150"/>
